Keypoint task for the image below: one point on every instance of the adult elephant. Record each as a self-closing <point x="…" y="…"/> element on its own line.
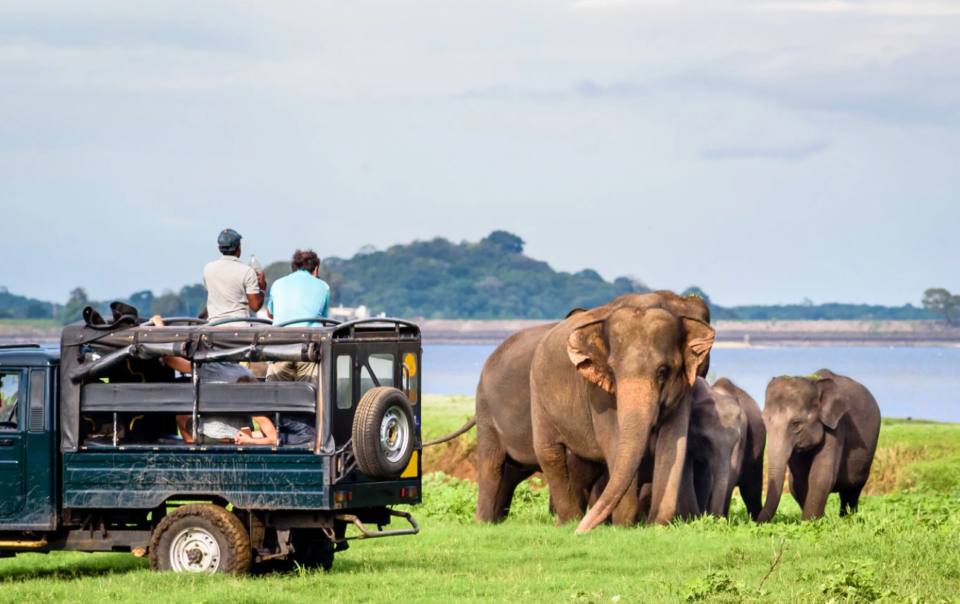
<point x="825" y="429"/>
<point x="505" y="451"/>
<point x="725" y="447"/>
<point x="601" y="382"/>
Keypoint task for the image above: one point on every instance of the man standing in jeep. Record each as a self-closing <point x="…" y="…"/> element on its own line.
<point x="234" y="290"/>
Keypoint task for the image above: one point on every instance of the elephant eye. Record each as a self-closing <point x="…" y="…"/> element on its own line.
<point x="662" y="373"/>
<point x="795" y="425"/>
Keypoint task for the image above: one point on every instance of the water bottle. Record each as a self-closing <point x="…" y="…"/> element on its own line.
<point x="255" y="264"/>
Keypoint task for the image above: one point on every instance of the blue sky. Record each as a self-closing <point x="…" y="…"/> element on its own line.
<point x="765" y="151"/>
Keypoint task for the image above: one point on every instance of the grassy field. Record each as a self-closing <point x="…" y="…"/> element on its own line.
<point x="901" y="547"/>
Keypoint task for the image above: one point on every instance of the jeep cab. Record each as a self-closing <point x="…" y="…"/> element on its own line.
<point x="93" y="456"/>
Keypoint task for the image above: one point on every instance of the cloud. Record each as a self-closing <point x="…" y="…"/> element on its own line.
<point x="589" y="89"/>
<point x="900" y="9"/>
<point x="606" y="4"/>
<point x="787" y="153"/>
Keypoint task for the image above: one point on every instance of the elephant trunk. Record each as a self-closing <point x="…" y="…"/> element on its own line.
<point x="637" y="409"/>
<point x="776" y="474"/>
<point x="718" y="495"/>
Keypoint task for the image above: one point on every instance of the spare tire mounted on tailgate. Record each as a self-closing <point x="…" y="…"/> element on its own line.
<point x="383" y="433"/>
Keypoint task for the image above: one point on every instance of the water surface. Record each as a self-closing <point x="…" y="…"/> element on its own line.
<point x="923" y="383"/>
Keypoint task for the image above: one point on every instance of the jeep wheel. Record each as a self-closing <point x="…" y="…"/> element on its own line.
<point x="383" y="433"/>
<point x="200" y="538"/>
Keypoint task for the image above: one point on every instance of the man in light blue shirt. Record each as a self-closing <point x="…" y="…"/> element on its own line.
<point x="300" y="295"/>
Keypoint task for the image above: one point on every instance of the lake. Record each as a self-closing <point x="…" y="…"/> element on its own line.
<point x="922" y="383"/>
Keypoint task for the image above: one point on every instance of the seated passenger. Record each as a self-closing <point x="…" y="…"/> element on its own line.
<point x="230" y="428"/>
<point x="293" y="431"/>
<point x="300" y="295"/>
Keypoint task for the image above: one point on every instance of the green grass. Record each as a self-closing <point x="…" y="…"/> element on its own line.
<point x="49" y="323"/>
<point x="901" y="547"/>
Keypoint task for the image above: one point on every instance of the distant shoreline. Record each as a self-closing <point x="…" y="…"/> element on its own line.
<point x="730" y="334"/>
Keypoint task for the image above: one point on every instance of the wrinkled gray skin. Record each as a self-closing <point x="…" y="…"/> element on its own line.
<point x="825" y="430"/>
<point x="504" y="429"/>
<point x="720" y="449"/>
<point x="601" y="383"/>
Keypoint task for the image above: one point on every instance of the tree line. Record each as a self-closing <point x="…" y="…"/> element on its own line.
<point x="488" y="279"/>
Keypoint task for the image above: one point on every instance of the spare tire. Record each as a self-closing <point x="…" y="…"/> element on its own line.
<point x="383" y="433"/>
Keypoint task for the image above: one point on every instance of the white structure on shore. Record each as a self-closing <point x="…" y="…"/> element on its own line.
<point x="340" y="313"/>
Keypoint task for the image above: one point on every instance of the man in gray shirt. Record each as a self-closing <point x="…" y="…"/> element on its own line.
<point x="234" y="290"/>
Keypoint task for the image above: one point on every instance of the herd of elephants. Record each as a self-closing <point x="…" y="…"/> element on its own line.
<point x="612" y="406"/>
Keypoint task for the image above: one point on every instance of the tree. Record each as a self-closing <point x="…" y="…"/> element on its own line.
<point x="941" y="302"/>
<point x="142" y="301"/>
<point x="79" y="294"/>
<point x="194" y="298"/>
<point x="73" y="310"/>
<point x="167" y="304"/>
<point x="507" y="242"/>
<point x="38" y="310"/>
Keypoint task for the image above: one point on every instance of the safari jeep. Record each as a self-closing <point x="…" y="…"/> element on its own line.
<point x="92" y="458"/>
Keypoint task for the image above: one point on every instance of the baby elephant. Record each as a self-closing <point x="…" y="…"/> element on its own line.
<point x="824" y="428"/>
<point x="725" y="447"/>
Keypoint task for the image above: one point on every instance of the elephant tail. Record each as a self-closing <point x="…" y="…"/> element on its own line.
<point x="465" y="427"/>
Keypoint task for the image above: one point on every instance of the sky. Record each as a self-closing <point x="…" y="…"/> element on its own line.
<point x="764" y="151"/>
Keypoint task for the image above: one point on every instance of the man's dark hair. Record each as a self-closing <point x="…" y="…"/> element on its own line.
<point x="305" y="260"/>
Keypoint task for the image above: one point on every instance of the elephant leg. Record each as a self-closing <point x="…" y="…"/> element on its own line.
<point x="820" y="482"/>
<point x="584" y="475"/>
<point x="751" y="490"/>
<point x="643" y="501"/>
<point x="626" y="512"/>
<point x="849" y="500"/>
<point x="512" y="475"/>
<point x="799" y="472"/>
<point x="673" y="493"/>
<point x="702" y="481"/>
<point x="552" y="456"/>
<point x="492" y="458"/>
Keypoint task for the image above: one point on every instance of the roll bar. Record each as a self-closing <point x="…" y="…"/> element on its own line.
<point x="323" y="320"/>
<point x="240" y="320"/>
<point x="183" y="321"/>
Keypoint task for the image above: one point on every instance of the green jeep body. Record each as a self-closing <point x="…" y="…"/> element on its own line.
<point x="64" y="488"/>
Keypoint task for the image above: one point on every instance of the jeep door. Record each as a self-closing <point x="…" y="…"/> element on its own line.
<point x="13" y="396"/>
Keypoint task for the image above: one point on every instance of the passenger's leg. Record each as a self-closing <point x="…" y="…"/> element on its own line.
<point x="307" y="372"/>
<point x="282" y="371"/>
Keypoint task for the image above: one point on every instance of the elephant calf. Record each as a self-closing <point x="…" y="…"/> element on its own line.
<point x="725" y="447"/>
<point x="825" y="429"/>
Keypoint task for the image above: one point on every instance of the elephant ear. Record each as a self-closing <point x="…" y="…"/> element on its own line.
<point x="575" y="311"/>
<point x="833" y="404"/>
<point x="588" y="352"/>
<point x="696" y="346"/>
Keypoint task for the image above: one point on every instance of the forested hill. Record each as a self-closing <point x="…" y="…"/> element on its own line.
<point x="489" y="279"/>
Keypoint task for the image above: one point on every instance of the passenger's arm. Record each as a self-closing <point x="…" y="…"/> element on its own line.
<point x="256" y="284"/>
<point x="179" y="364"/>
<point x="269" y="433"/>
<point x="176" y="363"/>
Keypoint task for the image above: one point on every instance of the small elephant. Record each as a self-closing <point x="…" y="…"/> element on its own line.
<point x="725" y="447"/>
<point x="824" y="428"/>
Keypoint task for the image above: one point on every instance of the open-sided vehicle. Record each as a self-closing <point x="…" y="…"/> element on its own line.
<point x="91" y="458"/>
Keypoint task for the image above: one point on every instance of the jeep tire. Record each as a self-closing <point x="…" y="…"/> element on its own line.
<point x="383" y="433"/>
<point x="201" y="538"/>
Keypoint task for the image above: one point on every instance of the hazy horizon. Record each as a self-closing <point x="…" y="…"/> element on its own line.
<point x="764" y="151"/>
